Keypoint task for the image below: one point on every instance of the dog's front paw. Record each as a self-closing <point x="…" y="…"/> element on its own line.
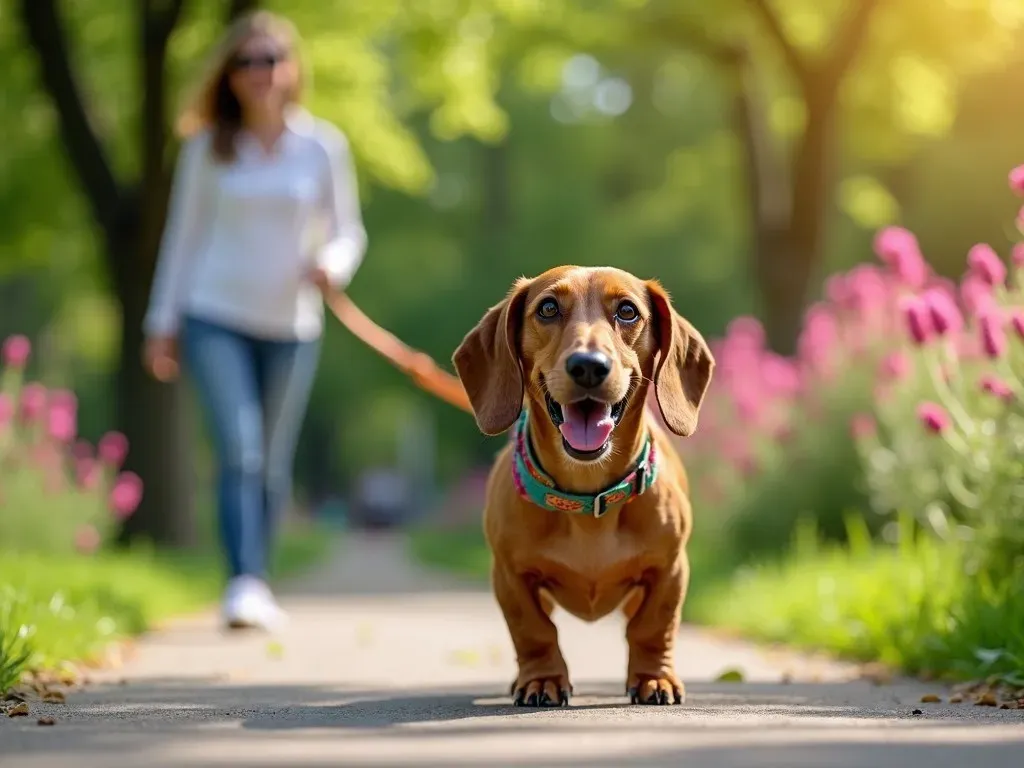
<point x="545" y="691"/>
<point x="664" y="688"/>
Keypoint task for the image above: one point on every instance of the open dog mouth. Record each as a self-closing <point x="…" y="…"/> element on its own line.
<point x="586" y="424"/>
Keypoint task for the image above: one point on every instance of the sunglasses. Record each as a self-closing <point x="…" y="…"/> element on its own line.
<point x="267" y="61"/>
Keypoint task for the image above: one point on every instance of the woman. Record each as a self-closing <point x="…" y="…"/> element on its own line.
<point x="264" y="216"/>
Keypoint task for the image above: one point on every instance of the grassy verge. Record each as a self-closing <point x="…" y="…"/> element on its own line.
<point x="59" y="610"/>
<point x="914" y="607"/>
<point x="461" y="550"/>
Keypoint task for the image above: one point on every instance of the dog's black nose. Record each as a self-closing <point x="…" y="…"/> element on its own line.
<point x="588" y="369"/>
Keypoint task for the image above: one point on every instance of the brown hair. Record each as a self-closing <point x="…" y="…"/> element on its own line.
<point x="211" y="104"/>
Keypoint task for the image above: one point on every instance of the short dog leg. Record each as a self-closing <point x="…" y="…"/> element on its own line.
<point x="543" y="679"/>
<point x="651" y="636"/>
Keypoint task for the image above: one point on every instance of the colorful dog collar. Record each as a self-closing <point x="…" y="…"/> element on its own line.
<point x="534" y="485"/>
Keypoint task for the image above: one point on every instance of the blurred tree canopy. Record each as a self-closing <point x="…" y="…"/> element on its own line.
<point x="733" y="149"/>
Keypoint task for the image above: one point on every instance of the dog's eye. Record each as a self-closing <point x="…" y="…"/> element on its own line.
<point x="548" y="309"/>
<point x="627" y="312"/>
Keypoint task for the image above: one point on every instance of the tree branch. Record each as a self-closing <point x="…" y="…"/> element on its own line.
<point x="794" y="59"/>
<point x="848" y="39"/>
<point x="85" y="151"/>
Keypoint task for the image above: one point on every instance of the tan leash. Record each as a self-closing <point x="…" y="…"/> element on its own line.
<point x="419" y="366"/>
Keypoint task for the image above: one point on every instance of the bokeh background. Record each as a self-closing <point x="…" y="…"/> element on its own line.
<point x="742" y="151"/>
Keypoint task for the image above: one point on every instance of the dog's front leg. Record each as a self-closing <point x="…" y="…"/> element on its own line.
<point x="651" y="636"/>
<point x="543" y="679"/>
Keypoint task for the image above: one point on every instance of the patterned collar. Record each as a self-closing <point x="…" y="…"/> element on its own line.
<point x="536" y="486"/>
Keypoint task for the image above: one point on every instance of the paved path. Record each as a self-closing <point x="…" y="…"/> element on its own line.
<point x="386" y="665"/>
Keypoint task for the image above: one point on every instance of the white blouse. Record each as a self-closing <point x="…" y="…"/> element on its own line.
<point x="242" y="237"/>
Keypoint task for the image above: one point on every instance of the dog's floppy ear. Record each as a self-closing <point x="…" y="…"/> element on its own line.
<point x="684" y="367"/>
<point x="488" y="364"/>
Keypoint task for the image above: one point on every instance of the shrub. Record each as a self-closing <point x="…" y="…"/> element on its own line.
<point x="949" y="442"/>
<point x="905" y="394"/>
<point x="58" y="494"/>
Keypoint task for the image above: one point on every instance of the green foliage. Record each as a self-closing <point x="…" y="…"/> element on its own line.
<point x="41" y="457"/>
<point x="917" y="606"/>
<point x="56" y="610"/>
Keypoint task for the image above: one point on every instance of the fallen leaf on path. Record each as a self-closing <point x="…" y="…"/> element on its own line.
<point x="45" y="721"/>
<point x="54" y="697"/>
<point x="18" y="710"/>
<point x="364" y="634"/>
<point x="730" y="676"/>
<point x="465" y="658"/>
<point x="956" y="698"/>
<point x="986" y="700"/>
<point x="917" y="712"/>
<point x="275" y="650"/>
<point x="930" y="698"/>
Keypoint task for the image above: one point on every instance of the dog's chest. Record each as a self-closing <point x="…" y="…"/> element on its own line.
<point x="589" y="573"/>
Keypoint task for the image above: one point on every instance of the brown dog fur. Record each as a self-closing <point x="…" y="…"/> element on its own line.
<point x="634" y="557"/>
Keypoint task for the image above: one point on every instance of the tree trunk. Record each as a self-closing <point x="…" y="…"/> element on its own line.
<point x="154" y="417"/>
<point x="789" y="256"/>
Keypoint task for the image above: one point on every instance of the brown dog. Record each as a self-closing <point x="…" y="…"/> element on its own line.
<point x="587" y="508"/>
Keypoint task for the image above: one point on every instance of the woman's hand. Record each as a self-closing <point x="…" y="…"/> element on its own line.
<point x="160" y="357"/>
<point x="320" y="278"/>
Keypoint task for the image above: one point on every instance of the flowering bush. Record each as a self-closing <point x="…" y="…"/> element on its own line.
<point x="57" y="493"/>
<point x="905" y="395"/>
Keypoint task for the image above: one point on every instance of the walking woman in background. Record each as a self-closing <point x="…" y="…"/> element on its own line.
<point x="264" y="216"/>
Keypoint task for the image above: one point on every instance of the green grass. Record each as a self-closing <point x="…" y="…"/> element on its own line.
<point x="460" y="550"/>
<point x="60" y="610"/>
<point x="914" y="607"/>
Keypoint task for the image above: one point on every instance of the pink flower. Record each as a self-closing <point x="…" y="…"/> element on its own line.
<point x="113" y="448"/>
<point x="898" y="249"/>
<point x="894" y="366"/>
<point x="62" y="422"/>
<point x="995" y="386"/>
<point x="6" y="409"/>
<point x="993" y="334"/>
<point x="780" y="374"/>
<point x="33" y="401"/>
<point x="81" y="450"/>
<point x="819" y="336"/>
<point x="126" y="495"/>
<point x="837" y="290"/>
<point x="1017" y="180"/>
<point x="1017" y="255"/>
<point x="87" y="539"/>
<point x="748" y="405"/>
<point x="862" y="426"/>
<point x="984" y="262"/>
<point x="16" y="351"/>
<point x="745" y="333"/>
<point x="88" y="471"/>
<point x="917" y="318"/>
<point x="933" y="416"/>
<point x="1017" y="321"/>
<point x="975" y="293"/>
<point x="62" y="425"/>
<point x="945" y="315"/>
<point x="866" y="287"/>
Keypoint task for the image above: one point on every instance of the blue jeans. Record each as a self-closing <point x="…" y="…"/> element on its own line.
<point x="254" y="393"/>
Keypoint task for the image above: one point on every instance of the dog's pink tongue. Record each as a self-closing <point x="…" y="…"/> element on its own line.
<point x="587" y="429"/>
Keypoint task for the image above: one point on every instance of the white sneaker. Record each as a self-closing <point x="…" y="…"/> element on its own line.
<point x="249" y="604"/>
